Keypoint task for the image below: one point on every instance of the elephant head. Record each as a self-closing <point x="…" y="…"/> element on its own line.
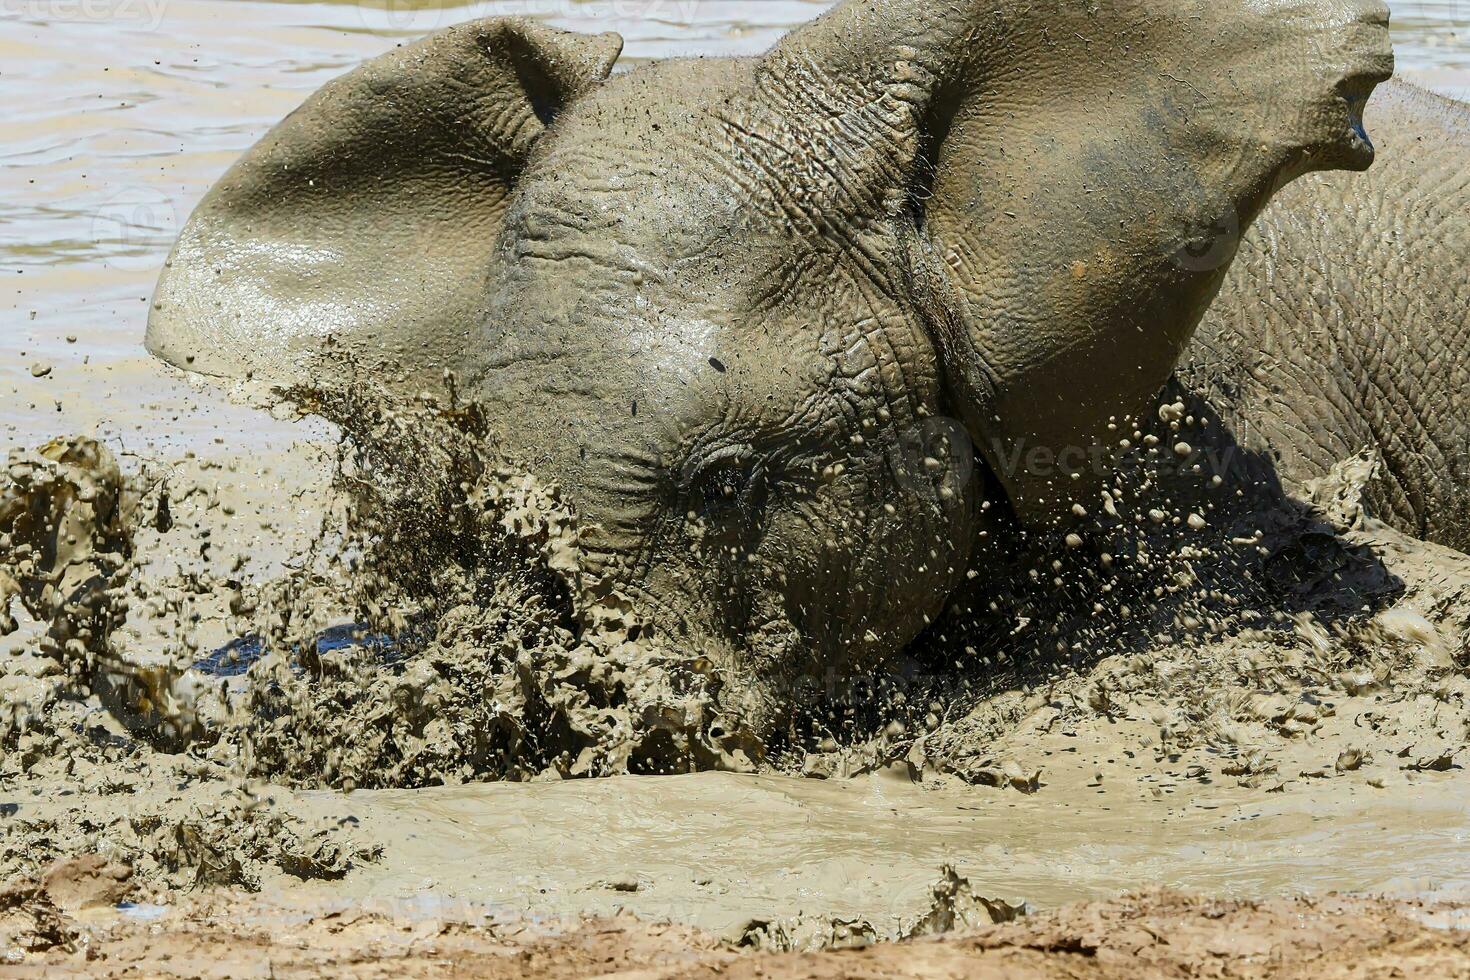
<point x="779" y="326"/>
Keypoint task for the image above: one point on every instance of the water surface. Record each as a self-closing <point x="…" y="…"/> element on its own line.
<point x="717" y="849"/>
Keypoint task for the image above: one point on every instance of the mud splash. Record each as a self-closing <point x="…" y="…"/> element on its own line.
<point x="426" y="634"/>
<point x="87" y="718"/>
<point x="486" y="661"/>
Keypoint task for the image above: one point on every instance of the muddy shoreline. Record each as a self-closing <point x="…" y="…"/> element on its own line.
<point x="1153" y="934"/>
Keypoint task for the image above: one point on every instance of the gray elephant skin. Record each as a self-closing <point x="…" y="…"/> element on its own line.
<point x="1344" y="322"/>
<point x="776" y="324"/>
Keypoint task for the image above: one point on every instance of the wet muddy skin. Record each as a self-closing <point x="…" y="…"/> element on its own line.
<point x="1324" y="755"/>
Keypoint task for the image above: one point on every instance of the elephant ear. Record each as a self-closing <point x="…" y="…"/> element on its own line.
<point x="367" y="220"/>
<point x="1079" y="178"/>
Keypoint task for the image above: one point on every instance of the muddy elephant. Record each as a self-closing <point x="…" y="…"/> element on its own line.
<point x="1344" y="322"/>
<point x="778" y="325"/>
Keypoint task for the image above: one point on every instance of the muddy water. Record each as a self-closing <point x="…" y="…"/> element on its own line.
<point x="718" y="849"/>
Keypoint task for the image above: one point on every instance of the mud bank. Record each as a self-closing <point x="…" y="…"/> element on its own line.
<point x="1157" y="934"/>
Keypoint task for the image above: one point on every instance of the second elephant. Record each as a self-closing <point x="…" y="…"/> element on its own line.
<point x="1344" y="323"/>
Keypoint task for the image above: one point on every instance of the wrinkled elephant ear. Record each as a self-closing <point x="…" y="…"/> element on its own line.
<point x="1080" y="174"/>
<point x="367" y="220"/>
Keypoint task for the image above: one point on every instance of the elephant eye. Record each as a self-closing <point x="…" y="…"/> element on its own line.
<point x="729" y="487"/>
<point x="725" y="485"/>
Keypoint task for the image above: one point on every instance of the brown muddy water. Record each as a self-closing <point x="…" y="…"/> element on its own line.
<point x="120" y="113"/>
<point x="718" y="850"/>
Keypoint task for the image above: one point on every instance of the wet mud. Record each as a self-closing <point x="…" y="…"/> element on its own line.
<point x="1154" y="934"/>
<point x="338" y="693"/>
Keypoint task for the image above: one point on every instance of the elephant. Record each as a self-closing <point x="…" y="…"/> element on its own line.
<point x="774" y="326"/>
<point x="1344" y="321"/>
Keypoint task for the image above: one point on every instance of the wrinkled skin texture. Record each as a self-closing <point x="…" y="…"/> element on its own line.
<point x="775" y="324"/>
<point x="1345" y="320"/>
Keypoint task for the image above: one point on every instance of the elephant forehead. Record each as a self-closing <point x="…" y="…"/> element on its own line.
<point x="667" y="386"/>
<point x="678" y="369"/>
<point x="663" y="307"/>
<point x="711" y="167"/>
<point x="639" y="144"/>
